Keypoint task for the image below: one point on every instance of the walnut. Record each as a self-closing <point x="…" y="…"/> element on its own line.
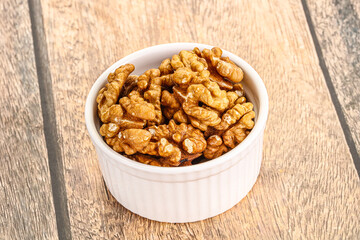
<point x="233" y="115"/>
<point x="129" y="141"/>
<point x="170" y="105"/>
<point x="170" y="152"/>
<point x="232" y="97"/>
<point x="212" y="131"/>
<point x="212" y="96"/>
<point x="146" y="159"/>
<point x="153" y="95"/>
<point x="176" y="62"/>
<point x="137" y="107"/>
<point x="109" y="95"/>
<point x="187" y="159"/>
<point x="168" y="100"/>
<point x="165" y="67"/>
<point x="144" y="79"/>
<point x="238" y="132"/>
<point x="184" y="77"/>
<point x="130" y="85"/>
<point x="247" y="120"/>
<point x="128" y="121"/>
<point x="121" y="73"/>
<point x="199" y="124"/>
<point x="180" y="94"/>
<point x="239" y="89"/>
<point x="166" y="80"/>
<point x="190" y="139"/>
<point x="113" y="113"/>
<point x="181" y="117"/>
<point x="172" y="108"/>
<point x="215" y="147"/>
<point x="224" y="66"/>
<point x="192" y="61"/>
<point x="240" y="100"/>
<point x="197" y="51"/>
<point x="109" y="130"/>
<point x="216" y="77"/>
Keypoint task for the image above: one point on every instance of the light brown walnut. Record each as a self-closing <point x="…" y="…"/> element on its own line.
<point x="176" y="62"/>
<point x="170" y="152"/>
<point x="144" y="79"/>
<point x="129" y="141"/>
<point x="216" y="77"/>
<point x="166" y="80"/>
<point x="169" y="100"/>
<point x="224" y="66"/>
<point x="232" y="97"/>
<point x="184" y="135"/>
<point x="146" y="159"/>
<point x="165" y="67"/>
<point x="212" y="131"/>
<point x="197" y="51"/>
<point x="236" y="134"/>
<point x="128" y="121"/>
<point x="240" y="100"/>
<point x="153" y="95"/>
<point x="180" y="94"/>
<point x="193" y="61"/>
<point x="109" y="130"/>
<point x="191" y="139"/>
<point x="169" y="112"/>
<point x="113" y="113"/>
<point x="212" y="96"/>
<point x="184" y="77"/>
<point x="215" y="147"/>
<point x="187" y="159"/>
<point x="170" y="104"/>
<point x="109" y="95"/>
<point x="233" y="115"/>
<point x="130" y="85"/>
<point x="181" y="117"/>
<point x="137" y="107"/>
<point x="239" y="89"/>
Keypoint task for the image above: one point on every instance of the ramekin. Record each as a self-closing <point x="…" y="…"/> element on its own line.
<point x="181" y="194"/>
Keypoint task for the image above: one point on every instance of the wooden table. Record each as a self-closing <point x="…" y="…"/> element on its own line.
<point x="306" y="51"/>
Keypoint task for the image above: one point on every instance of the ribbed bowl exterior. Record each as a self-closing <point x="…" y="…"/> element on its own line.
<point x="183" y="200"/>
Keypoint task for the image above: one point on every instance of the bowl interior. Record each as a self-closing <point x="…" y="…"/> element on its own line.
<point x="151" y="58"/>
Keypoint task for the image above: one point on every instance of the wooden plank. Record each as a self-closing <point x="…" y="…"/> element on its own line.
<point x="26" y="203"/>
<point x="308" y="186"/>
<point x="337" y="30"/>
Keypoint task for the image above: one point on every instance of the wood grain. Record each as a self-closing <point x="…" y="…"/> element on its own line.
<point x="337" y="29"/>
<point x="308" y="187"/>
<point x="26" y="205"/>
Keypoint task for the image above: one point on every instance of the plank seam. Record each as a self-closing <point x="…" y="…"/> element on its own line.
<point x="345" y="127"/>
<point x="49" y="121"/>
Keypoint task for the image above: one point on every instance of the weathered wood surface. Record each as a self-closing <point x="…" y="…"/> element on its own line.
<point x="308" y="186"/>
<point x="338" y="31"/>
<point x="26" y="205"/>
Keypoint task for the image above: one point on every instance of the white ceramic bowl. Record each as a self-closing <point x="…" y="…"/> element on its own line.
<point x="181" y="194"/>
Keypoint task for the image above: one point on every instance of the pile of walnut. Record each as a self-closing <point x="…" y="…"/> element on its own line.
<point x="192" y="105"/>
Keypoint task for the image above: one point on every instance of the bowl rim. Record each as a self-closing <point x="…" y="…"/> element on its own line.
<point x="213" y="163"/>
